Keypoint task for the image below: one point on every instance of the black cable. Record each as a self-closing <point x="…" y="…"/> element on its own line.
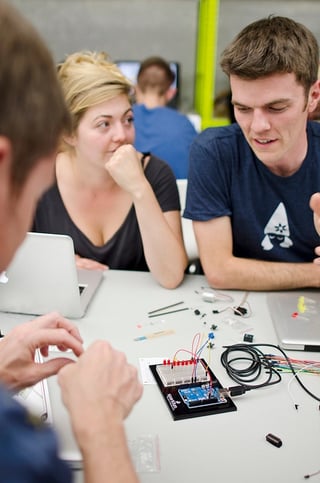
<point x="257" y="361"/>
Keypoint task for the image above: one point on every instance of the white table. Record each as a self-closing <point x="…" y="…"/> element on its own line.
<point x="229" y="447"/>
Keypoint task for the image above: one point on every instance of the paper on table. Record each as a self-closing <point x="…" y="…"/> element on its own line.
<point x="146" y="374"/>
<point x="36" y="398"/>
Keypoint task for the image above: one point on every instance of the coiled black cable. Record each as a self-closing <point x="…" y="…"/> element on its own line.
<point x="245" y="363"/>
<point x="256" y="361"/>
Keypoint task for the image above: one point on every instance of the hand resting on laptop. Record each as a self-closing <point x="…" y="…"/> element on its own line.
<point x="89" y="264"/>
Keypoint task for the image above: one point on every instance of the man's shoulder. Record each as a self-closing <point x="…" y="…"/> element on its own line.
<point x="313" y="128"/>
<point x="159" y="111"/>
<point x="138" y="108"/>
<point x="22" y="436"/>
<point x="142" y="111"/>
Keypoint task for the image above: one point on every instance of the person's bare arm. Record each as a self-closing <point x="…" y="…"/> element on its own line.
<point x="89" y="264"/>
<point x="18" y="368"/>
<point x="99" y="391"/>
<point x="224" y="271"/>
<point x="161" y="232"/>
<point x="315" y="206"/>
<point x="162" y="239"/>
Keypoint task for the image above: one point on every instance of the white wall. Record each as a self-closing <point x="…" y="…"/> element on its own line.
<point x="134" y="29"/>
<point x="126" y="29"/>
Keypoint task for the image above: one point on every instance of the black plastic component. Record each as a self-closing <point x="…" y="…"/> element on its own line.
<point x="271" y="438"/>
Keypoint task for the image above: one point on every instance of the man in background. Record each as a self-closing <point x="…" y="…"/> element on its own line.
<point x="160" y="129"/>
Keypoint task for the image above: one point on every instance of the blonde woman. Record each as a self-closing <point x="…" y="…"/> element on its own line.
<point x="120" y="206"/>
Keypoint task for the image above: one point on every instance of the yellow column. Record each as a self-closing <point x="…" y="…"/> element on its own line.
<point x="208" y="19"/>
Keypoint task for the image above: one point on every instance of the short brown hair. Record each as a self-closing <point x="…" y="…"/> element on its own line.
<point x="273" y="45"/>
<point x="155" y="73"/>
<point x="33" y="112"/>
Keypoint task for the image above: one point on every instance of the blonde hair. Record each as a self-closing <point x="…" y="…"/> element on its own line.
<point x="89" y="78"/>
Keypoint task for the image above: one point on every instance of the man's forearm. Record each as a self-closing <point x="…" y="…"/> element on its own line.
<point x="106" y="457"/>
<point x="247" y="274"/>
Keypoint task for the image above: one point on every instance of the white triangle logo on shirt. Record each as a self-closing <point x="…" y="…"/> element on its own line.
<point x="277" y="230"/>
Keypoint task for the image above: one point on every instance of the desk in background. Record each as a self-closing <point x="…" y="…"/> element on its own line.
<point x="228" y="447"/>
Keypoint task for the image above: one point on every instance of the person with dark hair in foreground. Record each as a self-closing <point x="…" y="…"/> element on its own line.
<point x="100" y="388"/>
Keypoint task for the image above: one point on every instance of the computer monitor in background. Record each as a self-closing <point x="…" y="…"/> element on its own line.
<point x="130" y="69"/>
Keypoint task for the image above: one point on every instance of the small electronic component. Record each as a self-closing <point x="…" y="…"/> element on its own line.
<point x="208" y="296"/>
<point x="240" y="311"/>
<point x="271" y="438"/>
<point x="248" y="337"/>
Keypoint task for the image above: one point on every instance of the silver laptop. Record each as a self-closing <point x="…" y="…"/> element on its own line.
<point x="296" y="318"/>
<point x="43" y="277"/>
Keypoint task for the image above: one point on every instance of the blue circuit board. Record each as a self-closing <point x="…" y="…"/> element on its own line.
<point x="203" y="395"/>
